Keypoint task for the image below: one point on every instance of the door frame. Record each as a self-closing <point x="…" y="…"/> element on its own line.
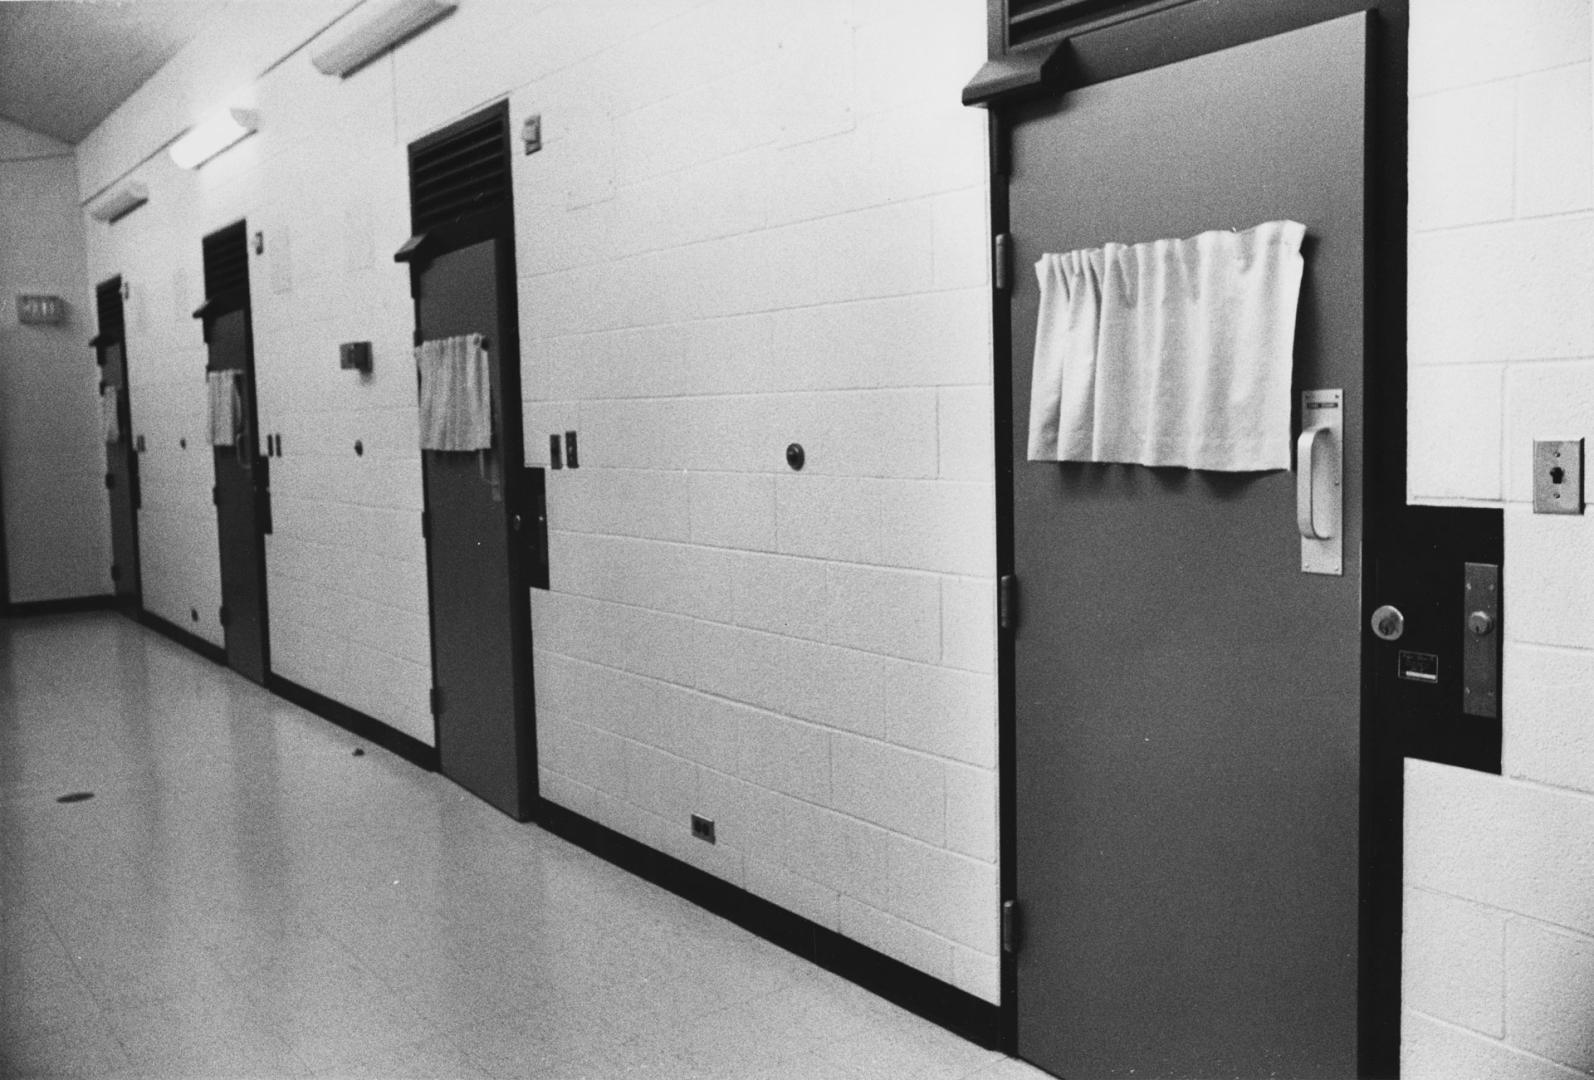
<point x="124" y="417"/>
<point x="495" y="222"/>
<point x="1101" y="42"/>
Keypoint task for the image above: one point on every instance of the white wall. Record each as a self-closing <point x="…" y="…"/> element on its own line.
<point x="752" y="224"/>
<point x="1499" y="946"/>
<point x="52" y="455"/>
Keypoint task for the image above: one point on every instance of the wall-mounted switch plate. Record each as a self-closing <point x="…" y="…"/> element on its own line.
<point x="531" y="133"/>
<point x="570" y="450"/>
<point x="703" y="828"/>
<point x="1558" y="477"/>
<point x="556" y="453"/>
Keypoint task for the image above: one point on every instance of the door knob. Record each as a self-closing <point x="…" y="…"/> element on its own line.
<point x="1481" y="623"/>
<point x="1388" y="623"/>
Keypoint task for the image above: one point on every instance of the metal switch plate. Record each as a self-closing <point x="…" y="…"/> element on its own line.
<point x="1480" y="642"/>
<point x="1558" y="477"/>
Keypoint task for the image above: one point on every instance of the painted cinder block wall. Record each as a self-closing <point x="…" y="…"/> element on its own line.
<point x="750" y="225"/>
<point x="52" y="453"/>
<point x="1499" y="918"/>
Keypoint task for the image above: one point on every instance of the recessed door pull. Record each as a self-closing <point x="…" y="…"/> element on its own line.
<point x="1319" y="482"/>
<point x="1313" y="516"/>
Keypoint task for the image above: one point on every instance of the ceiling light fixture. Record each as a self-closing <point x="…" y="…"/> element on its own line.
<point x="210" y="137"/>
<point x="121" y="202"/>
<point x="392" y="25"/>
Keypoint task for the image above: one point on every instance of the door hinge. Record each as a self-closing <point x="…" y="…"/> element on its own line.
<point x="1001" y="259"/>
<point x="215" y="496"/>
<point x="426" y="525"/>
<point x="416" y="337"/>
<point x="221" y="615"/>
<point x="116" y="572"/>
<point x="1006" y="601"/>
<point x="437" y="701"/>
<point x="1010" y="926"/>
<point x="110" y="481"/>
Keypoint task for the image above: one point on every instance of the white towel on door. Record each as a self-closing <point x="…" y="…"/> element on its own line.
<point x="225" y="407"/>
<point x="110" y="422"/>
<point x="1171" y="352"/>
<point x="456" y="394"/>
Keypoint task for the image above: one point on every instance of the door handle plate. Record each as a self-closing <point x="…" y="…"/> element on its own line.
<point x="1320" y="482"/>
<point x="1480" y="642"/>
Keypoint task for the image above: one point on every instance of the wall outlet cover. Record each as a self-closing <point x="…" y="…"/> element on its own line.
<point x="1558" y="476"/>
<point x="703" y="828"/>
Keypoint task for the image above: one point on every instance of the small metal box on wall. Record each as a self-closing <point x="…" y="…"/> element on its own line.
<point x="355" y="356"/>
<point x="39" y="310"/>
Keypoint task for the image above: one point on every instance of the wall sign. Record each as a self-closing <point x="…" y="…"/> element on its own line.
<point x="40" y="310"/>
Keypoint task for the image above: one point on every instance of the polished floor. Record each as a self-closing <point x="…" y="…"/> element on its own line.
<point x="244" y="896"/>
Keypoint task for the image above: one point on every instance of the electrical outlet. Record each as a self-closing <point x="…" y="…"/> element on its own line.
<point x="1558" y="477"/>
<point x="703" y="828"/>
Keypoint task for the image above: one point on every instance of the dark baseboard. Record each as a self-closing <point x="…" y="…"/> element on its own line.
<point x="65" y="606"/>
<point x="355" y="722"/>
<point x="936" y="1001"/>
<point x="209" y="651"/>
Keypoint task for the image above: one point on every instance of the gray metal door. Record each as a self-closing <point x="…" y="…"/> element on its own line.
<point x="121" y="478"/>
<point x="1187" y="701"/>
<point x="240" y="495"/>
<point x="480" y="610"/>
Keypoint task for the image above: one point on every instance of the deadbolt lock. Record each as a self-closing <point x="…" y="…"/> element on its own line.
<point x="1481" y="623"/>
<point x="1388" y="623"/>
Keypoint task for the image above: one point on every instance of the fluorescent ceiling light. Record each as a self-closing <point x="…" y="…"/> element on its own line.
<point x="210" y="137"/>
<point x="121" y="202"/>
<point x="394" y="23"/>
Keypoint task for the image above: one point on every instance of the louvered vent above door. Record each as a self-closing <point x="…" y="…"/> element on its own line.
<point x="460" y="171"/>
<point x="1032" y="20"/>
<point x="108" y="303"/>
<point x="226" y="262"/>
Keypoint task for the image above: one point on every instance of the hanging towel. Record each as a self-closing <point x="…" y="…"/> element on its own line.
<point x="226" y="406"/>
<point x="456" y="394"/>
<point x="1172" y="352"/>
<point x="110" y="423"/>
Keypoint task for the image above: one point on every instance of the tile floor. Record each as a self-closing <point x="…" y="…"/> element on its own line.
<point x="244" y="897"/>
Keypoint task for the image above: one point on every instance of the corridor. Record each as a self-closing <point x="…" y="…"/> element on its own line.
<point x="251" y="892"/>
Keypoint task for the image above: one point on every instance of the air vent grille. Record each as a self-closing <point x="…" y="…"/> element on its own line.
<point x="1032" y="20"/>
<point x="462" y="174"/>
<point x="226" y="262"/>
<point x="108" y="301"/>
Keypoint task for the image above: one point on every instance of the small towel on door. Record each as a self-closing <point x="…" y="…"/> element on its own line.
<point x="110" y="422"/>
<point x="226" y="407"/>
<point x="456" y="394"/>
<point x="1171" y="352"/>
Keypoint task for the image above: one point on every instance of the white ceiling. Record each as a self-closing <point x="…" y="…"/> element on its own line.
<point x="65" y="65"/>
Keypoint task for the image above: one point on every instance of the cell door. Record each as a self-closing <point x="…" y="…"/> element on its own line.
<point x="121" y="461"/>
<point x="242" y="489"/>
<point x="462" y="273"/>
<point x="1186" y="699"/>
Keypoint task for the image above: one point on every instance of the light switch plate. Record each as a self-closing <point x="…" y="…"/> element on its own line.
<point x="1558" y="477"/>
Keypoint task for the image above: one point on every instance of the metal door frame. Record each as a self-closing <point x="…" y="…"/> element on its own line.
<point x="124" y="417"/>
<point x="1105" y="43"/>
<point x="215" y="306"/>
<point x="494" y="223"/>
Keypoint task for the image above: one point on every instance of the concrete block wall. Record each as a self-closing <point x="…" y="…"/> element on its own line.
<point x="753" y="226"/>
<point x="750" y="225"/>
<point x="52" y="453"/>
<point x="1499" y="926"/>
